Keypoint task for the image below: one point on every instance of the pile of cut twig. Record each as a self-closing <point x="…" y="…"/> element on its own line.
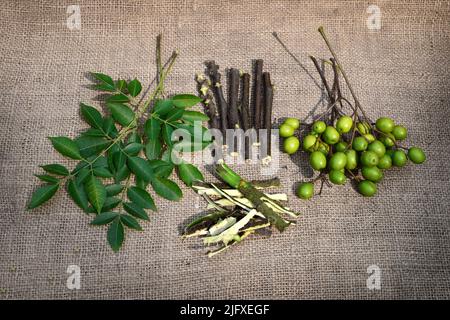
<point x="237" y="113"/>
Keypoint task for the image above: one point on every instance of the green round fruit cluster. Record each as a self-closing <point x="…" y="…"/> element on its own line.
<point x="345" y="150"/>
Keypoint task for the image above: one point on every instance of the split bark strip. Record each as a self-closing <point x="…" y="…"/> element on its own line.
<point x="268" y="102"/>
<point x="245" y="112"/>
<point x="214" y="75"/>
<point x="257" y="95"/>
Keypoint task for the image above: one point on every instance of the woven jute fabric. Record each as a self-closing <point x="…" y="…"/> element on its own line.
<point x="400" y="70"/>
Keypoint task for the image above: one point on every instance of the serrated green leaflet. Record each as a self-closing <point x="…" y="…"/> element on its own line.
<point x="104" y="218"/>
<point x="119" y="98"/>
<point x="115" y="234"/>
<point x="141" y="168"/>
<point x="121" y="113"/>
<point x="89" y="146"/>
<point x="141" y="197"/>
<point x="153" y="149"/>
<point x="78" y="194"/>
<point x="42" y="194"/>
<point x="152" y="128"/>
<point x="47" y="178"/>
<point x="192" y="116"/>
<point x="66" y="147"/>
<point x="113" y="189"/>
<point x="96" y="193"/>
<point x="56" y="169"/>
<point x="166" y="189"/>
<point x="185" y="100"/>
<point x="163" y="106"/>
<point x="130" y="222"/>
<point x="133" y="148"/>
<point x="91" y="116"/>
<point x="134" y="87"/>
<point x="189" y="173"/>
<point x="135" y="210"/>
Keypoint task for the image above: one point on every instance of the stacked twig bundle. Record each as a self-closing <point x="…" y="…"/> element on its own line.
<point x="237" y="112"/>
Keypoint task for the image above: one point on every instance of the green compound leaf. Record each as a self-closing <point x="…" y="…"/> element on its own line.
<point x="42" y="194"/>
<point x="66" y="147"/>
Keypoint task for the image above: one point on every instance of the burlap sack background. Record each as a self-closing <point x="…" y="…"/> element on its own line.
<point x="399" y="71"/>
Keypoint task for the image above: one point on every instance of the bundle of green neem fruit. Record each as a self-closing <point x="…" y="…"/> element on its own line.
<point x="124" y="153"/>
<point x="344" y="145"/>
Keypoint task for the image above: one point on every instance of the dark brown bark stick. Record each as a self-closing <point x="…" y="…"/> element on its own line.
<point x="214" y="75"/>
<point x="244" y="108"/>
<point x="245" y="112"/>
<point x="257" y="97"/>
<point x="206" y="94"/>
<point x="268" y="102"/>
<point x="233" y="94"/>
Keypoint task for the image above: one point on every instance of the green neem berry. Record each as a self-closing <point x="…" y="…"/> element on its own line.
<point x="367" y="188"/>
<point x="387" y="139"/>
<point x="360" y="144"/>
<point x="369" y="159"/>
<point x="331" y="135"/>
<point x="399" y="158"/>
<point x="352" y="159"/>
<point x="294" y="123"/>
<point x="385" y="162"/>
<point x="338" y="161"/>
<point x="344" y="124"/>
<point x="291" y="145"/>
<point x="369" y="137"/>
<point x="308" y="142"/>
<point x="337" y="177"/>
<point x="305" y="190"/>
<point x="385" y="124"/>
<point x="399" y="132"/>
<point x="377" y="147"/>
<point x="286" y="130"/>
<point x="390" y="152"/>
<point x="416" y="155"/>
<point x="341" y="146"/>
<point x="373" y="174"/>
<point x="318" y="160"/>
<point x="319" y="126"/>
<point x="362" y="128"/>
<point x="324" y="148"/>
